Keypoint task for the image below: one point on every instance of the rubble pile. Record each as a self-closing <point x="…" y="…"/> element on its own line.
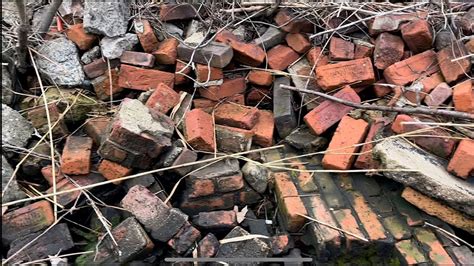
<point x="141" y="132"/>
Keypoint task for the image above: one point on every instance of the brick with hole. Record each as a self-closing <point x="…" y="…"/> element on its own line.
<point x="298" y="42"/>
<point x="137" y="59"/>
<point x="340" y="49"/>
<point x="236" y="115"/>
<point x="76" y="157"/>
<point x="281" y="56"/>
<point x="332" y="76"/>
<point x="163" y="99"/>
<point x="167" y="52"/>
<point x="417" y="35"/>
<point x="111" y="170"/>
<point x="261" y="78"/>
<point x="199" y="130"/>
<point x="146" y="36"/>
<point x="462" y="162"/>
<point x="83" y="40"/>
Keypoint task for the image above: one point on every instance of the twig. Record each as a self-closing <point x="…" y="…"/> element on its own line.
<point x="22" y="36"/>
<point x="416" y="110"/>
<point x="449" y="234"/>
<point x="48" y="16"/>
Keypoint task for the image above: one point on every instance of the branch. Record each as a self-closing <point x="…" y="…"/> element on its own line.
<point x="22" y="36"/>
<point x="416" y="110"/>
<point x="48" y="16"/>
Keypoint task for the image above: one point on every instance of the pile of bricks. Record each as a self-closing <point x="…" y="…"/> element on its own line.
<point x="199" y="124"/>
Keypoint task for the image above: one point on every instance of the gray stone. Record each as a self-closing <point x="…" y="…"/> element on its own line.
<point x="7" y="86"/>
<point x="303" y="139"/>
<point x="13" y="192"/>
<point x="165" y="229"/>
<point x="72" y="8"/>
<point x="10" y="11"/>
<point x="270" y="38"/>
<point x="90" y="55"/>
<point x="60" y="62"/>
<point x="443" y="39"/>
<point x="240" y="32"/>
<point x="298" y="71"/>
<point x="113" y="47"/>
<point x="38" y="16"/>
<point x="285" y="119"/>
<point x="16" y="130"/>
<point x="425" y="173"/>
<point x="231" y="139"/>
<point x="218" y="54"/>
<point x="252" y="248"/>
<point x="225" y="167"/>
<point x="256" y="175"/>
<point x="195" y="32"/>
<point x="106" y="18"/>
<point x="170" y="29"/>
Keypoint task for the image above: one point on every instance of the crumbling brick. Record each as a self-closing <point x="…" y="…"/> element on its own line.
<point x="453" y="71"/>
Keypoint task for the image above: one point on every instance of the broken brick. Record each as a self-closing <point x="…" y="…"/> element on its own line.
<point x="205" y="73"/>
<point x="348" y="223"/>
<point x="47" y="173"/>
<point x="363" y="49"/>
<point x="388" y="50"/>
<point x="98" y="67"/>
<point x="215" y="54"/>
<point x="283" y="112"/>
<point x="146" y="36"/>
<point x="39" y="120"/>
<point x="96" y="128"/>
<point x="433" y="246"/>
<point x="83" y="40"/>
<point x="368" y="218"/>
<point x="185" y="238"/>
<point x="359" y="71"/>
<point x="365" y="159"/>
<point x="167" y="52"/>
<point x="412" y="68"/>
<point x="438" y="95"/>
<point x="199" y="130"/>
<point x="417" y="35"/>
<point x="181" y="78"/>
<point x="462" y="162"/>
<point x="163" y="99"/>
<point x="245" y="53"/>
<point x="463" y="96"/>
<point x="102" y="87"/>
<point x="287" y="22"/>
<point x="259" y="77"/>
<point x="111" y="170"/>
<point x="281" y="56"/>
<point x="143" y="79"/>
<point x="230" y="183"/>
<point x="381" y="90"/>
<point x="208" y="246"/>
<point x="428" y="84"/>
<point x="216" y="220"/>
<point x="409" y="252"/>
<point x="298" y="42"/>
<point x="236" y="115"/>
<point x="76" y="157"/>
<point x="232" y="139"/>
<point x="313" y="55"/>
<point x="340" y="49"/>
<point x="453" y="71"/>
<point x="137" y="59"/>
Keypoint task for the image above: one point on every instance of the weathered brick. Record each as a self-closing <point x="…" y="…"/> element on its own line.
<point x="76" y="157"/>
<point x="280" y="57"/>
<point x="453" y="71"/>
<point x="463" y="254"/>
<point x="98" y="67"/>
<point x="271" y="37"/>
<point x="314" y="55"/>
<point x="290" y="203"/>
<point x="412" y="68"/>
<point x="348" y="223"/>
<point x="365" y="159"/>
<point x="167" y="52"/>
<point x="417" y="35"/>
<point x="363" y="49"/>
<point x="111" y="170"/>
<point x="232" y="139"/>
<point x="143" y="79"/>
<point x="433" y="247"/>
<point x="397" y="227"/>
<point x="329" y="113"/>
<point x="171" y="12"/>
<point x="26" y="220"/>
<point x="340" y="49"/>
<point x="163" y="98"/>
<point x="438" y="95"/>
<point x="336" y="75"/>
<point x="283" y="112"/>
<point x="205" y="73"/>
<point x="208" y="246"/>
<point x="258" y="96"/>
<point x="245" y="53"/>
<point x="463" y="97"/>
<point x="303" y="177"/>
<point x="211" y="203"/>
<point x="253" y="248"/>
<point x="281" y="243"/>
<point x="96" y="127"/>
<point x="259" y="77"/>
<point x="216" y="220"/>
<point x="102" y="86"/>
<point x="298" y="42"/>
<point x="146" y="36"/>
<point x="229" y="87"/>
<point x="289" y="23"/>
<point x="438" y="209"/>
<point x="428" y="84"/>
<point x="199" y="130"/>
<point x="409" y="253"/>
<point x="236" y="115"/>
<point x="180" y="79"/>
<point x="137" y="59"/>
<point x="462" y="162"/>
<point x="66" y="184"/>
<point x="218" y="54"/>
<point x="391" y="22"/>
<point x="368" y="218"/>
<point x="47" y="173"/>
<point x="388" y="50"/>
<point x="83" y="40"/>
<point x="230" y="183"/>
<point x="185" y="238"/>
<point x="39" y="120"/>
<point x="263" y="129"/>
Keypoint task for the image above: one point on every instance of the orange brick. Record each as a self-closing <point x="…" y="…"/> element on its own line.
<point x="236" y="116"/>
<point x="143" y="79"/>
<point x="340" y="49"/>
<point x="336" y="75"/>
<point x="167" y="52"/>
<point x="417" y="35"/>
<point x="365" y="159"/>
<point x="397" y="126"/>
<point x="259" y="77"/>
<point x="462" y="162"/>
<point x="453" y="71"/>
<point x="199" y="130"/>
<point x="429" y="83"/>
<point x="83" y="40"/>
<point x="289" y="201"/>
<point x="381" y="90"/>
<point x="412" y="68"/>
<point x="229" y="87"/>
<point x="463" y="97"/>
<point x="205" y="73"/>
<point x="180" y="78"/>
<point x="470" y="46"/>
<point x="281" y="56"/>
<point x="47" y="173"/>
<point x="102" y="86"/>
<point x="437" y="253"/>
<point x="163" y="99"/>
<point x="323" y="213"/>
<point x="111" y="170"/>
<point x="263" y="129"/>
<point x="368" y="218"/>
<point x="341" y="148"/>
<point x="313" y="55"/>
<point x="348" y="223"/>
<point x="76" y="157"/>
<point x="245" y="53"/>
<point x="147" y="37"/>
<point x="298" y="42"/>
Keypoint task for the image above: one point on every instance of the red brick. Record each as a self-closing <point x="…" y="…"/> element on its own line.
<point x="26" y="220"/>
<point x="328" y="113"/>
<point x="96" y="128"/>
<point x="411" y="69"/>
<point x="230" y="183"/>
<point x="202" y="187"/>
<point x="67" y="184"/>
<point x="111" y="170"/>
<point x="39" y="120"/>
<point x="388" y="50"/>
<point x="208" y="246"/>
<point x="170" y="12"/>
<point x="148" y="38"/>
<point x="167" y="52"/>
<point x="96" y="68"/>
<point x="137" y="59"/>
<point x="83" y="40"/>
<point x="205" y="73"/>
<point x="365" y="159"/>
<point x="287" y="22"/>
<point x="216" y="220"/>
<point x="76" y="157"/>
<point x="263" y="129"/>
<point x="289" y="202"/>
<point x="47" y="173"/>
<point x="381" y="90"/>
<point x="462" y="162"/>
<point x="258" y="96"/>
<point x="359" y="71"/>
<point x="453" y="71"/>
<point x="340" y="49"/>
<point x="143" y="79"/>
<point x="210" y="203"/>
<point x="470" y="46"/>
<point x="437" y="253"/>
<point x="102" y="86"/>
<point x="260" y="77"/>
<point x="236" y="115"/>
<point x="245" y="53"/>
<point x="181" y="78"/>
<point x="439" y="95"/>
<point x="417" y="35"/>
<point x="362" y="51"/>
<point x="319" y="209"/>
<point x="463" y="97"/>
<point x="349" y="133"/>
<point x="298" y="42"/>
<point x="428" y="83"/>
<point x="281" y="56"/>
<point x="368" y="218"/>
<point x="163" y="99"/>
<point x="348" y="223"/>
<point x="229" y="87"/>
<point x="232" y="139"/>
<point x="199" y="130"/>
<point x="313" y="55"/>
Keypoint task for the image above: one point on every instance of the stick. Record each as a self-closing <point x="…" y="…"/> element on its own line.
<point x="48" y="16"/>
<point x="416" y="110"/>
<point x="22" y="36"/>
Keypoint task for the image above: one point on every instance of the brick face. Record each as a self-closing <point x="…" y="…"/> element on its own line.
<point x="290" y="203"/>
<point x="336" y="75"/>
<point x="75" y="159"/>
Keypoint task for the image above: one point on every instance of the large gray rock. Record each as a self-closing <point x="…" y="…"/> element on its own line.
<point x="59" y="62"/>
<point x="16" y="130"/>
<point x="109" y="18"/>
<point x="7" y="86"/>
<point x="428" y="175"/>
<point x="10" y="11"/>
<point x="256" y="175"/>
<point x="13" y="192"/>
<point x="114" y="47"/>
